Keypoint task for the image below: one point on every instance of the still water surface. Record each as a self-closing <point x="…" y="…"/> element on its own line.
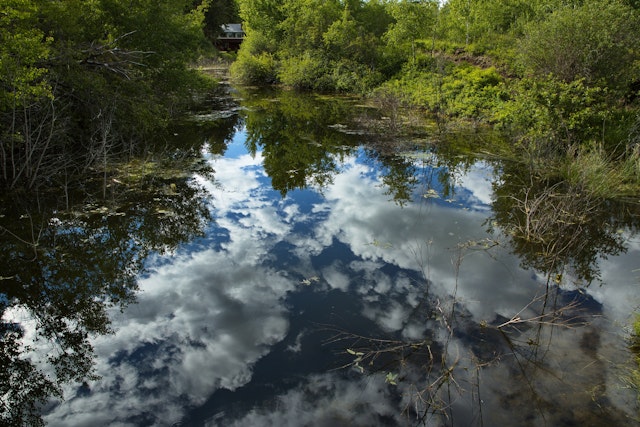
<point x="329" y="282"/>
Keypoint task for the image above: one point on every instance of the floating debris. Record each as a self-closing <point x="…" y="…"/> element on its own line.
<point x="310" y="280"/>
<point x="431" y="194"/>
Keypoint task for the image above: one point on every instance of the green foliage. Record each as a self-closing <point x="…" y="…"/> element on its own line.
<point x="472" y="92"/>
<point x="374" y="16"/>
<point x="413" y="20"/>
<point x="420" y="89"/>
<point x="261" y="18"/>
<point x="473" y="21"/>
<point x="551" y="115"/>
<point x="593" y="41"/>
<point x="353" y="76"/>
<point x="314" y="44"/>
<point x="305" y="72"/>
<point x="347" y="39"/>
<point x="318" y="73"/>
<point x="83" y="76"/>
<point x="254" y="69"/>
<point x="304" y="25"/>
<point x="23" y="50"/>
<point x="256" y="61"/>
<point x="456" y="90"/>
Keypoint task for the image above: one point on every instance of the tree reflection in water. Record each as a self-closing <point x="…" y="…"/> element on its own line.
<point x="559" y="233"/>
<point x="563" y="232"/>
<point x="558" y="228"/>
<point x="303" y="138"/>
<point x="69" y="259"/>
<point x="71" y="256"/>
<point x="298" y="139"/>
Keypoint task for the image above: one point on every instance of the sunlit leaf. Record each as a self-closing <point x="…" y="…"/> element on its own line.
<point x="391" y="378"/>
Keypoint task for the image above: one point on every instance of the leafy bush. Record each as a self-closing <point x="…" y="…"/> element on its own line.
<point x="554" y="112"/>
<point x="472" y="92"/>
<point x="351" y="76"/>
<point x="254" y="69"/>
<point x="455" y="90"/>
<point x="596" y="40"/>
<point x="308" y="71"/>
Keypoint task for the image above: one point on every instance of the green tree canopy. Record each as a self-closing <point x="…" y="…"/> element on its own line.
<point x="413" y="20"/>
<point x="80" y="77"/>
<point x="596" y="40"/>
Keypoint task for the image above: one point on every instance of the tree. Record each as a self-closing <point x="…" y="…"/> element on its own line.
<point x="595" y="41"/>
<point x="486" y="22"/>
<point x="413" y="20"/>
<point x="82" y="80"/>
<point x="25" y="91"/>
<point x="347" y="38"/>
<point x="261" y="19"/>
<point x="305" y="23"/>
<point x="23" y="50"/>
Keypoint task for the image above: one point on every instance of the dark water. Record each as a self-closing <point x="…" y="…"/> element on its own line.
<point x="305" y="273"/>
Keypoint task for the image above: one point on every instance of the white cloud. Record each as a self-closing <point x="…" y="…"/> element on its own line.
<point x="423" y="238"/>
<point x="326" y="400"/>
<point x="205" y="318"/>
<point x="200" y="324"/>
<point x="201" y="321"/>
<point x="478" y="182"/>
<point x="336" y="278"/>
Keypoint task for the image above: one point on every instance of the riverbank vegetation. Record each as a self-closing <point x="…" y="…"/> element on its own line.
<point x="559" y="77"/>
<point x="82" y="82"/>
<point x="634" y="345"/>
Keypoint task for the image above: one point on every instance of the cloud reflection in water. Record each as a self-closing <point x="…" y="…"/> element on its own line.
<point x="208" y="313"/>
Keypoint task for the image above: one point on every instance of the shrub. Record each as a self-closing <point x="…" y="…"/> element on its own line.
<point x="472" y="92"/>
<point x="254" y="69"/>
<point x="556" y="113"/>
<point x="596" y="40"/>
<point x="308" y="72"/>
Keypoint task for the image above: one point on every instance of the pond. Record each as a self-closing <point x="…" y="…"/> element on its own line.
<point x="305" y="264"/>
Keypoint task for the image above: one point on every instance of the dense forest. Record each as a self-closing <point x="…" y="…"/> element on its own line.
<point x="82" y="81"/>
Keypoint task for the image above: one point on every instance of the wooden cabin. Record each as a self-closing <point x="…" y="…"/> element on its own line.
<point x="231" y="38"/>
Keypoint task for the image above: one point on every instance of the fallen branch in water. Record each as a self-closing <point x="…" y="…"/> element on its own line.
<point x="554" y="317"/>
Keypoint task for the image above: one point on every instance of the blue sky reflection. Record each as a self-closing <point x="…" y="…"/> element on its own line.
<point x="209" y="312"/>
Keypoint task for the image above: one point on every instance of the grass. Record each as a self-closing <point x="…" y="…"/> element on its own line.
<point x="634" y="346"/>
<point x="601" y="176"/>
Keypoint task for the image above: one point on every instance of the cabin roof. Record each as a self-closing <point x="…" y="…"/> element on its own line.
<point x="232" y="28"/>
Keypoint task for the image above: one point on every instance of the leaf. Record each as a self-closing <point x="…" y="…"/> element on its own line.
<point x="391" y="378"/>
